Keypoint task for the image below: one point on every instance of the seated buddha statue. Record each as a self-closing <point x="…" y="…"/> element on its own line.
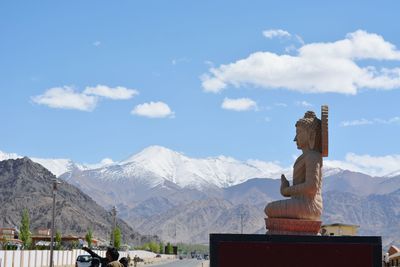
<point x="305" y="193"/>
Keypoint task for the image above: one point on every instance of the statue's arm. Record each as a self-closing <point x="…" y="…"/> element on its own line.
<point x="312" y="180"/>
<point x="284" y="184"/>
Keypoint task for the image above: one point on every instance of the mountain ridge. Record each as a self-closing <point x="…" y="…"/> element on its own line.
<point x="221" y="171"/>
<point x="26" y="184"/>
<point x="144" y="196"/>
<point x="171" y="165"/>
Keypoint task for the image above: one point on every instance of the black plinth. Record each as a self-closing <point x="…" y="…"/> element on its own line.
<point x="235" y="250"/>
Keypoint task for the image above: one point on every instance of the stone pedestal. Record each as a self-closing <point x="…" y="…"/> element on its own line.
<point x="236" y="250"/>
<point x="283" y="226"/>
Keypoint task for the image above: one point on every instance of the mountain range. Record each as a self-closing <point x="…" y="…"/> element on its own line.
<point x="173" y="166"/>
<point x="163" y="192"/>
<point x="25" y="184"/>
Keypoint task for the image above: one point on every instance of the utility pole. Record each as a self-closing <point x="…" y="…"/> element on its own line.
<point x="175" y="233"/>
<point x="114" y="214"/>
<point x="55" y="183"/>
<point x="241" y="222"/>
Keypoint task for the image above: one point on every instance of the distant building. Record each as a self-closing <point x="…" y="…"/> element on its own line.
<point x="9" y="233"/>
<point x="43" y="231"/>
<point x="9" y="237"/>
<point x="392" y="258"/>
<point x="339" y="229"/>
<point x="42" y="237"/>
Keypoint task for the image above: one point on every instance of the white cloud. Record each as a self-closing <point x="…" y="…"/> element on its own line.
<point x="284" y="105"/>
<point x="356" y="122"/>
<point x="299" y="39"/>
<point x="372" y="165"/>
<point x="115" y="93"/>
<point x="66" y="98"/>
<point x="290" y="48"/>
<point x="211" y="84"/>
<point x="389" y="121"/>
<point x="317" y="68"/>
<point x="239" y="104"/>
<point x="357" y="45"/>
<point x="209" y="63"/>
<point x="276" y="33"/>
<point x="97" y="43"/>
<point x="304" y="104"/>
<point x="103" y="163"/>
<point x="176" y="61"/>
<point x="153" y="110"/>
<point x="369" y="122"/>
<point x="107" y="161"/>
<point x="284" y="34"/>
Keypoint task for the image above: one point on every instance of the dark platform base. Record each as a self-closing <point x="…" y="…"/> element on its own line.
<point x="235" y="250"/>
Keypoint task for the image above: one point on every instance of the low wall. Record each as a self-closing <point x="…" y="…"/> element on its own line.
<point x="62" y="258"/>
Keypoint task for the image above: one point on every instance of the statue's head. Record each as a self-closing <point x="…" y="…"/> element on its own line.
<point x="308" y="132"/>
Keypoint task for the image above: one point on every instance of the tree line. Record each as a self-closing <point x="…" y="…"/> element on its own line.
<point x="25" y="236"/>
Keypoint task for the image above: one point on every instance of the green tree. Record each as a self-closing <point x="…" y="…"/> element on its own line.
<point x="154" y="247"/>
<point x="170" y="249"/>
<point x="187" y="248"/>
<point x="58" y="240"/>
<point x="117" y="238"/>
<point x="25" y="234"/>
<point x="89" y="237"/>
<point x="161" y="249"/>
<point x="74" y="244"/>
<point x="145" y="247"/>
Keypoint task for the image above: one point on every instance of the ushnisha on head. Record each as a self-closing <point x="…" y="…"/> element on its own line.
<point x="312" y="126"/>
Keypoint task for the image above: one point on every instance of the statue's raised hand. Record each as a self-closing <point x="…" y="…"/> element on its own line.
<point x="284" y="184"/>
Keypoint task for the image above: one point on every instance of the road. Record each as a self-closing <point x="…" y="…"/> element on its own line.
<point x="182" y="263"/>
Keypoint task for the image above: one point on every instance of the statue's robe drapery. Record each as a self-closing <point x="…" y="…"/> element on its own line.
<point x="305" y="193"/>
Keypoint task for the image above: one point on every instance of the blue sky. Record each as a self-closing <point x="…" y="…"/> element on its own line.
<point x="89" y="80"/>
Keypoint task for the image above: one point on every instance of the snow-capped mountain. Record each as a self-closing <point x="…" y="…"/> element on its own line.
<point x="55" y="166"/>
<point x="156" y="164"/>
<point x="157" y="171"/>
<point x="394" y="174"/>
<point x="158" y="186"/>
<point x="191" y="172"/>
<point x="329" y="171"/>
<point x="6" y="156"/>
<point x="58" y="166"/>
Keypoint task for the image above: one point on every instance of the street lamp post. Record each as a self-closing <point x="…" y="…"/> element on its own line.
<point x="55" y="183"/>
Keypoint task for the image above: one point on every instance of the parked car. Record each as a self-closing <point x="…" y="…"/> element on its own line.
<point x="83" y="261"/>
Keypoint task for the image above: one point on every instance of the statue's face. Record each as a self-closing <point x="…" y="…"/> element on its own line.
<point x="301" y="138"/>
